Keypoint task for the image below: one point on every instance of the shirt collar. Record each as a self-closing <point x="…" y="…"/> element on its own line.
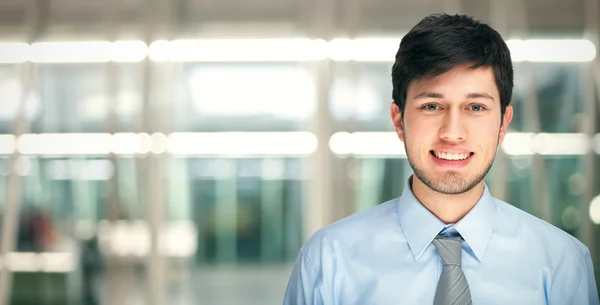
<point x="420" y="226"/>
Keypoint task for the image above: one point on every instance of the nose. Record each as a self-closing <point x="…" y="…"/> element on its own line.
<point x="453" y="129"/>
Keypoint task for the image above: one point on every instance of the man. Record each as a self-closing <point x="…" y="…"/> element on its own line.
<point x="446" y="240"/>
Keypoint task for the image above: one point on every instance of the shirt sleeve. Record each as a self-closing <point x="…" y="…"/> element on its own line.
<point x="304" y="284"/>
<point x="586" y="291"/>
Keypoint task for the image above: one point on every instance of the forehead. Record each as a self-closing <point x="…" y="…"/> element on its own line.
<point x="459" y="81"/>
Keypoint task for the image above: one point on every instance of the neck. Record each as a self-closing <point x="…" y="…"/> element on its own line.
<point x="448" y="208"/>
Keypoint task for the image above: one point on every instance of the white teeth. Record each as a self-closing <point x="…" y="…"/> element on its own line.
<point x="450" y="156"/>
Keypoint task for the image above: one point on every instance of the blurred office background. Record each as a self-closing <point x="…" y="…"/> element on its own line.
<point x="180" y="152"/>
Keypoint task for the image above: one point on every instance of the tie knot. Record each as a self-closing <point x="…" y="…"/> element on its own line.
<point x="449" y="248"/>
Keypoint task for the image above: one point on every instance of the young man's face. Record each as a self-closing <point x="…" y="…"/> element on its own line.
<point x="451" y="128"/>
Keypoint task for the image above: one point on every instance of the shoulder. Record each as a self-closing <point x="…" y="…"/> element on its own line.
<point x="539" y="235"/>
<point x="350" y="232"/>
<point x="565" y="261"/>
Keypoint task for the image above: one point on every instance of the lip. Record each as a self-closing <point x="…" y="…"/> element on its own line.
<point x="452" y="163"/>
<point x="452" y="150"/>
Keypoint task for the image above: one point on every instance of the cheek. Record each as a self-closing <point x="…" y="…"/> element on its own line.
<point x="419" y="139"/>
<point x="421" y="130"/>
<point x="486" y="139"/>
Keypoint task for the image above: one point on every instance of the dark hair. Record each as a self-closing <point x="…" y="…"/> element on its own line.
<point x="440" y="42"/>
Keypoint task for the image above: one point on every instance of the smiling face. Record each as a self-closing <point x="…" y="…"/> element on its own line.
<point x="451" y="128"/>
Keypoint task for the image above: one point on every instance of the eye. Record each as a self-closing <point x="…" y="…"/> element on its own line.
<point x="430" y="107"/>
<point x="476" y="108"/>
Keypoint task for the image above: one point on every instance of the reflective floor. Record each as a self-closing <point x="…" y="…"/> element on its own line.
<point x="250" y="285"/>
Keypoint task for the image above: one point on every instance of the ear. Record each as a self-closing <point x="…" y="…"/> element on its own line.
<point x="507" y="117"/>
<point x="397" y="120"/>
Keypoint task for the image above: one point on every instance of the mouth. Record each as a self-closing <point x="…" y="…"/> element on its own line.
<point x="451" y="156"/>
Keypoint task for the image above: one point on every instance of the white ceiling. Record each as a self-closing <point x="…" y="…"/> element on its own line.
<point x="184" y="18"/>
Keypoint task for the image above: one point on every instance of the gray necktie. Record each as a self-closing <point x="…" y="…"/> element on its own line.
<point x="452" y="288"/>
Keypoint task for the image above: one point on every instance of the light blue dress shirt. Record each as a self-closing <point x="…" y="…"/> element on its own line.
<point x="384" y="255"/>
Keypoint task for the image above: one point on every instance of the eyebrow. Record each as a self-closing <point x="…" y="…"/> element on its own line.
<point x="474" y="95"/>
<point x="479" y="95"/>
<point x="427" y="94"/>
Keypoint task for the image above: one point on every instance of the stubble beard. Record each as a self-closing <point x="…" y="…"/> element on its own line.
<point x="451" y="183"/>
